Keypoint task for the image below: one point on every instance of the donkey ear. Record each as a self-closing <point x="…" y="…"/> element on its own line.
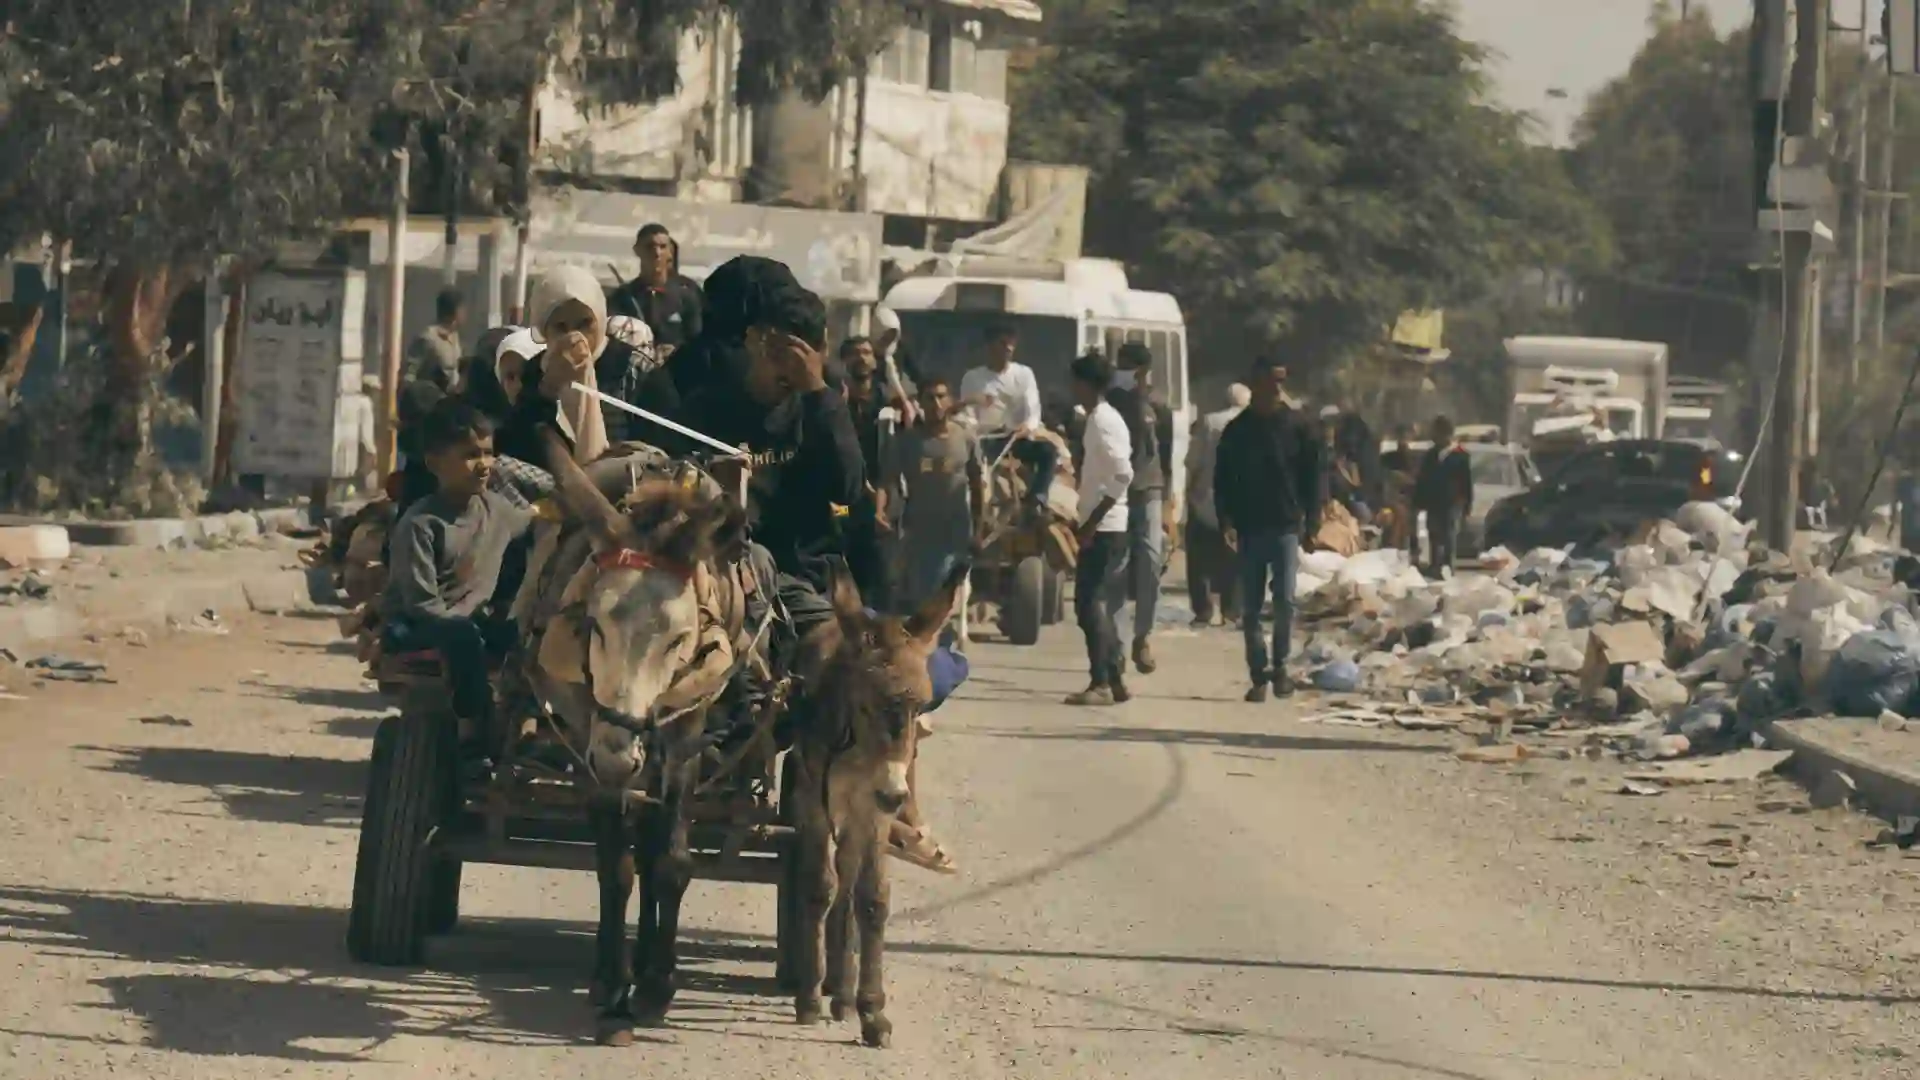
<point x="926" y="623"/>
<point x="846" y="598"/>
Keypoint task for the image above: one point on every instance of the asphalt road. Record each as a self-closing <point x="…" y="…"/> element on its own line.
<point x="1187" y="886"/>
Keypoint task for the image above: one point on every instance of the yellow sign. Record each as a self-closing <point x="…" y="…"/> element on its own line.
<point x="1420" y="330"/>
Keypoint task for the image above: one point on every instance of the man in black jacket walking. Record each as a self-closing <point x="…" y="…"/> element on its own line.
<point x="1266" y="493"/>
<point x="1444" y="491"/>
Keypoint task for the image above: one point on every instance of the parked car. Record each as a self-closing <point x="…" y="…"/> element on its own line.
<point x="1609" y="489"/>
<point x="1500" y="471"/>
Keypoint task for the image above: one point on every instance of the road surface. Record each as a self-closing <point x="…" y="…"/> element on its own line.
<point x="1184" y="887"/>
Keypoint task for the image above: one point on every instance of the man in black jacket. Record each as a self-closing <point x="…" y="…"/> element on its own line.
<point x="1445" y="492"/>
<point x="1266" y="492"/>
<point x="668" y="303"/>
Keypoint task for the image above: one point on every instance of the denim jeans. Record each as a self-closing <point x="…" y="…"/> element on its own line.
<point x="1146" y="557"/>
<point x="466" y="646"/>
<point x="1268" y="558"/>
<point x="1093" y="590"/>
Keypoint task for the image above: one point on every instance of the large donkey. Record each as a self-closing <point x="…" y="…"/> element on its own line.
<point x="631" y="658"/>
<point x="866" y="683"/>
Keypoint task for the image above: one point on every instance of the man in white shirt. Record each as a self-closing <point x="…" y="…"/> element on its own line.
<point x="1106" y="472"/>
<point x="1005" y="396"/>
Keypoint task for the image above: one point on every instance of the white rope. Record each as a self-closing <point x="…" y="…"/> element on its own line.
<point x="609" y="399"/>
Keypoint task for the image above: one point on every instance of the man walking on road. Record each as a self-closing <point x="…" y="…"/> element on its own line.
<point x="1211" y="569"/>
<point x="1266" y="492"/>
<point x="1445" y="492"/>
<point x="1150" y="436"/>
<point x="1106" y="472"/>
<point x="938" y="465"/>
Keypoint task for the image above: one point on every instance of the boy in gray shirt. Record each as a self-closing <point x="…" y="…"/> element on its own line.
<point x="946" y="487"/>
<point x="447" y="552"/>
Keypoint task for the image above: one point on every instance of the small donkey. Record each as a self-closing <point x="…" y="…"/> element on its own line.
<point x="867" y="685"/>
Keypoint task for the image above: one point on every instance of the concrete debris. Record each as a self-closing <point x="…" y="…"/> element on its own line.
<point x="1691" y="637"/>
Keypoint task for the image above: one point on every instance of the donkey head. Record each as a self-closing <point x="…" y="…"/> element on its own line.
<point x="645" y="655"/>
<point x="872" y="685"/>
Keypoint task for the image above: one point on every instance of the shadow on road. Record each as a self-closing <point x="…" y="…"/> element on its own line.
<point x="342" y="647"/>
<point x="253" y="787"/>
<point x="717" y="941"/>
<point x="323" y="697"/>
<point x="352" y="727"/>
<point x="274" y="980"/>
<point x="1240" y="740"/>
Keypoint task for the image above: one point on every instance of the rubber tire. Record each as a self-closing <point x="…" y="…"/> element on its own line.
<point x="443" y="896"/>
<point x="1054" y="606"/>
<point x="407" y="788"/>
<point x="786" y="935"/>
<point x="1023" y="611"/>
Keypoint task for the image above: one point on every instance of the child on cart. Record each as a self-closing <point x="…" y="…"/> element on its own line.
<point x="445" y="591"/>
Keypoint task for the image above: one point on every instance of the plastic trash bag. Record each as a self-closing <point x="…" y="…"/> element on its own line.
<point x="1873" y="672"/>
<point x="1339" y="677"/>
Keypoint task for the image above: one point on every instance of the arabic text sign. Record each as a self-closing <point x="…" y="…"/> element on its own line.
<point x="293" y="341"/>
<point x="835" y="254"/>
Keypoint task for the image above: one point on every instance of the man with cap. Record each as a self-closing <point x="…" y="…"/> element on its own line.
<point x="668" y="303"/>
<point x="1150" y="429"/>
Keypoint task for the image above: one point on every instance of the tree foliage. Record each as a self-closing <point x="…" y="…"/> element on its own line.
<point x="1298" y="173"/>
<point x="1666" y="153"/>
<point x="167" y="132"/>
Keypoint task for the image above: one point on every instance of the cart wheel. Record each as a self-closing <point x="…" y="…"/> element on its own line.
<point x="443" y="896"/>
<point x="407" y="788"/>
<point x="1054" y="604"/>
<point x="1022" y="612"/>
<point x="787" y="900"/>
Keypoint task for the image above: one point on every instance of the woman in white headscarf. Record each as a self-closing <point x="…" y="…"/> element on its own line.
<point x="568" y="314"/>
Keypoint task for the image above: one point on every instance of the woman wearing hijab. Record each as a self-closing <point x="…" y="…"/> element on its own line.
<point x="569" y="316"/>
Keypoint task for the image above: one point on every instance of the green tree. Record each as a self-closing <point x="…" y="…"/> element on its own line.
<point x="1298" y="173"/>
<point x="1666" y="153"/>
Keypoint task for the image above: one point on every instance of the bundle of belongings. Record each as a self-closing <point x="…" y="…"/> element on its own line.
<point x="1340" y="531"/>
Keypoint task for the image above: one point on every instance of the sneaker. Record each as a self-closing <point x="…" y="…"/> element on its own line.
<point x="1283" y="685"/>
<point x="1199" y="623"/>
<point x="1121" y="695"/>
<point x="1258" y="693"/>
<point x="1143" y="657"/>
<point x="1092" y="695"/>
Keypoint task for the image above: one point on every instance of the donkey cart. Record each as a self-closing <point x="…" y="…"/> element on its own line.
<point x="1026" y="556"/>
<point x="422" y="822"/>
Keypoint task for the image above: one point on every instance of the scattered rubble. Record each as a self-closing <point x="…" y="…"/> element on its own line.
<point x="1686" y="641"/>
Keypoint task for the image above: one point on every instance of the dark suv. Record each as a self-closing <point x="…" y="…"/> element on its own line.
<point x="1609" y="489"/>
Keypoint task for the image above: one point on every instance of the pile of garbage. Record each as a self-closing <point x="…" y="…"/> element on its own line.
<point x="1687" y="640"/>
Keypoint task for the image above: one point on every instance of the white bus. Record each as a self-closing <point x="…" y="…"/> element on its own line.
<point x="1060" y="310"/>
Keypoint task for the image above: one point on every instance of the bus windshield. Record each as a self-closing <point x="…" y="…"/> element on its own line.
<point x="950" y="343"/>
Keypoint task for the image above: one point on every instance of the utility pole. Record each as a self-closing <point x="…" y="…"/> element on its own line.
<point x="1799" y="113"/>
<point x="1862" y="145"/>
<point x="1888" y="147"/>
<point x="389" y="427"/>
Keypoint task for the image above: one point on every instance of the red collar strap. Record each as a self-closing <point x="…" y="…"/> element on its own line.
<point x="629" y="559"/>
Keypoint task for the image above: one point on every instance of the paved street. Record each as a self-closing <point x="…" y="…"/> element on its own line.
<point x="1187" y="886"/>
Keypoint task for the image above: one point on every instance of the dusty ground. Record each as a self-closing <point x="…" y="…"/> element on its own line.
<point x="1185" y="886"/>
